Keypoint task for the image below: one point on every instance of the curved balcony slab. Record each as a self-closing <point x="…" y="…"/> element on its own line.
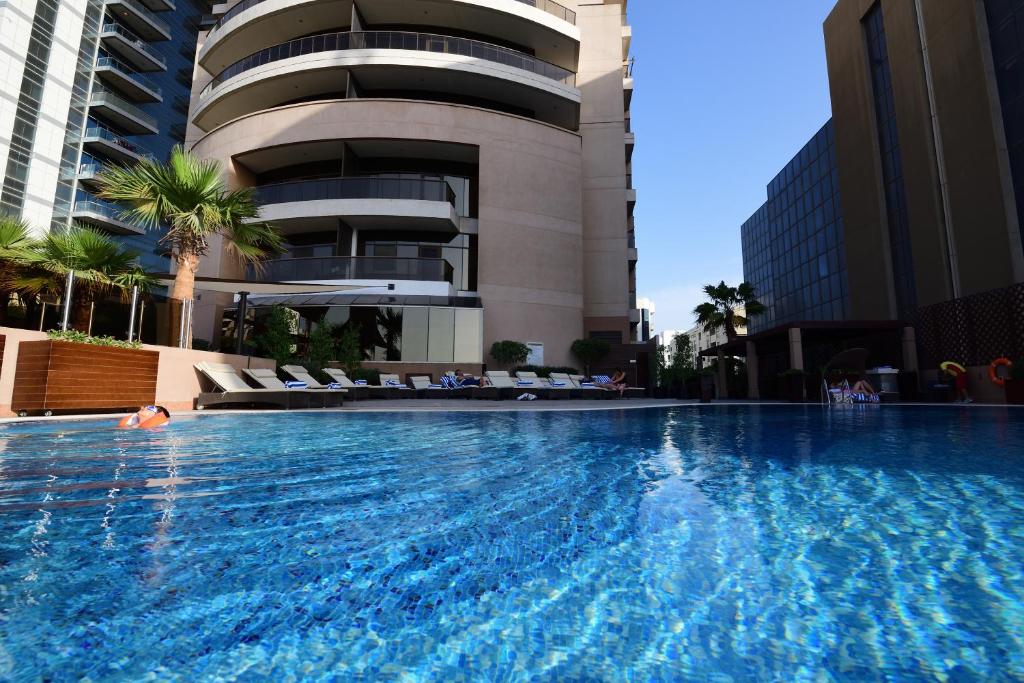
<point x="409" y="215"/>
<point x="276" y="83"/>
<point x="256" y="24"/>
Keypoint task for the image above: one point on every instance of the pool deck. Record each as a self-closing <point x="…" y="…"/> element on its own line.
<point x="456" y="406"/>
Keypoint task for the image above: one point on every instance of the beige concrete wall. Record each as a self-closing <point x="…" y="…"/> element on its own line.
<point x="177" y="383"/>
<point x="530" y="202"/>
<point x="602" y="125"/>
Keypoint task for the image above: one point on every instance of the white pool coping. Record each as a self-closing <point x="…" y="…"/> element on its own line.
<point x="469" y="406"/>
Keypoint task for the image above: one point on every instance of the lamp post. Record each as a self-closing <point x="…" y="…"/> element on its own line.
<point x="131" y="315"/>
<point x="69" y="284"/>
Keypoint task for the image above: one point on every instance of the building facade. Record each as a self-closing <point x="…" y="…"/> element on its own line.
<point x="794" y="244"/>
<point x="701" y="340"/>
<point x="465" y="162"/>
<point x="926" y="100"/>
<point x="89" y="83"/>
<point x="910" y="195"/>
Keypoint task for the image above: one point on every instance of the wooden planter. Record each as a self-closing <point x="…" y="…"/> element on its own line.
<point x="1015" y="392"/>
<point x="69" y="377"/>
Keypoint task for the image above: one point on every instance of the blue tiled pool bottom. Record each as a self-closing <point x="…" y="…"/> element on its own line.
<point x="715" y="544"/>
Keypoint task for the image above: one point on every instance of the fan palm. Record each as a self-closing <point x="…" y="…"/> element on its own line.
<point x="187" y="194"/>
<point x="15" y="239"/>
<point x="99" y="263"/>
<point x="720" y="309"/>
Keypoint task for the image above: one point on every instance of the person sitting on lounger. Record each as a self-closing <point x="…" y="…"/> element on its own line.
<point x="465" y="380"/>
<point x="617" y="382"/>
<point x="864" y="387"/>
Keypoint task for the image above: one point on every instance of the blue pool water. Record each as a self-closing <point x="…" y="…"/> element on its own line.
<point x="705" y="544"/>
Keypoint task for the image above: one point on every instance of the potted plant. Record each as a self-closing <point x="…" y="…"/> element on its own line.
<point x="792" y="385"/>
<point x="509" y="354"/>
<point x="1015" y="384"/>
<point x="74" y="372"/>
<point x="590" y="351"/>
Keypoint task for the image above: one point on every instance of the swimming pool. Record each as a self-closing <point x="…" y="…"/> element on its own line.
<point x="771" y="543"/>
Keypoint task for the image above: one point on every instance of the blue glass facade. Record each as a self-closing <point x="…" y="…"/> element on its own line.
<point x="1006" y="33"/>
<point x="892" y="163"/>
<point x="141" y="54"/>
<point x="793" y="246"/>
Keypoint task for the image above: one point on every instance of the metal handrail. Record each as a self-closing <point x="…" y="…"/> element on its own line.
<point x="354" y="268"/>
<point x="393" y="40"/>
<point x="110" y="136"/>
<point x="130" y="73"/>
<point x="102" y="95"/>
<point x="135" y="41"/>
<point x="356" y="187"/>
<point x="549" y="6"/>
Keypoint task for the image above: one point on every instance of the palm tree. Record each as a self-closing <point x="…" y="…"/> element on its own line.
<point x="15" y="239"/>
<point x="720" y="309"/>
<point x="99" y="263"/>
<point x="187" y="194"/>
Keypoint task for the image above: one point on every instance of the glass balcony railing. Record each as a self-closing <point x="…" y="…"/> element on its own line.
<point x="129" y="73"/>
<point x="553" y="8"/>
<point x="357" y="187"/>
<point x="108" y="211"/>
<point x="105" y="98"/>
<point x="354" y="268"/>
<point x="395" y="40"/>
<point x="98" y="133"/>
<point x="136" y="42"/>
<point x="548" y="6"/>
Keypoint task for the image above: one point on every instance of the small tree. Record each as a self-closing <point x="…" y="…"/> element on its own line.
<point x="720" y="309"/>
<point x="590" y="351"/>
<point x="275" y="340"/>
<point x="508" y="354"/>
<point x="320" y="349"/>
<point x="347" y="350"/>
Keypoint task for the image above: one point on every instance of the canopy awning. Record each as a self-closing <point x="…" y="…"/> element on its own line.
<point x="229" y="286"/>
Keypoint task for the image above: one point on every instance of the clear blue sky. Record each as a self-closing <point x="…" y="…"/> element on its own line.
<point x="726" y="93"/>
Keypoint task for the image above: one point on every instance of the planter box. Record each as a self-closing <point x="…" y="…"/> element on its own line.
<point x="69" y="377"/>
<point x="1015" y="392"/>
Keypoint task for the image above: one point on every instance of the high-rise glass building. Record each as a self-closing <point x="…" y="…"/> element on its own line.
<point x="466" y="162"/>
<point x="793" y="245"/>
<point x="90" y="83"/>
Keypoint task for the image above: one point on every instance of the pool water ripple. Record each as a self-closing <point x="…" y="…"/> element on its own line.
<point x="729" y="543"/>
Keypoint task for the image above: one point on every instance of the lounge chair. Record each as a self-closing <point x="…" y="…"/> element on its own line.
<point x="356" y="392"/>
<point x="232" y="389"/>
<point x="401" y="390"/>
<point x="563" y="390"/>
<point x="575" y="390"/>
<point x="590" y="389"/>
<point x="363" y="389"/>
<point x="300" y="374"/>
<point x="506" y="386"/>
<point x="425" y="388"/>
<point x="268" y="379"/>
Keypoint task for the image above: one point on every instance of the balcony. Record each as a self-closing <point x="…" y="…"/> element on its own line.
<point x="159" y="5"/>
<point x="104" y="215"/>
<point x="88" y="174"/>
<point x="126" y="80"/>
<point x="390" y="61"/>
<point x="139" y="19"/>
<point x="102" y="141"/>
<point x="333" y="268"/>
<point x="542" y="26"/>
<point x="364" y="202"/>
<point x="131" y="49"/>
<point x="121" y="113"/>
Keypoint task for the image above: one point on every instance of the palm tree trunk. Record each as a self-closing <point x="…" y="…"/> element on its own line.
<point x="184" y="288"/>
<point x="80" y="310"/>
<point x="730" y="326"/>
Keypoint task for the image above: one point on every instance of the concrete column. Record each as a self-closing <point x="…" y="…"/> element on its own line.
<point x="909" y="350"/>
<point x="723" y="385"/>
<point x="753" y="386"/>
<point x="796" y="349"/>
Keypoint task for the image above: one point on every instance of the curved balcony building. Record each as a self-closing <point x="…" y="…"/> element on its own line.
<point x="463" y="160"/>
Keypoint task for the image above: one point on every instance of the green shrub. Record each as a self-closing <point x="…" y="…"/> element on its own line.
<point x="320" y="348"/>
<point x="545" y="370"/>
<point x="509" y="353"/>
<point x="590" y="351"/>
<point x="369" y="374"/>
<point x="275" y="340"/>
<point x="792" y="372"/>
<point x="82" y="338"/>
<point x="201" y="345"/>
<point x="347" y="350"/>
